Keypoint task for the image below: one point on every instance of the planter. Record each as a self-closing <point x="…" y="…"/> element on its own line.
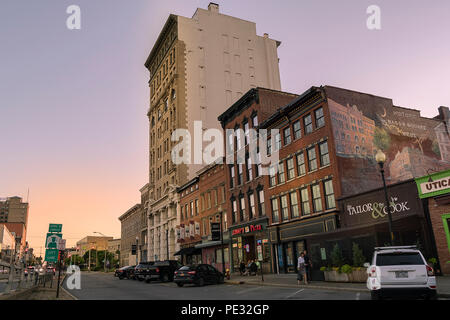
<point x="354" y="276"/>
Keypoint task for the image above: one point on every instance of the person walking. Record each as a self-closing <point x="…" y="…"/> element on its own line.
<point x="301" y="269"/>
<point x="308" y="265"/>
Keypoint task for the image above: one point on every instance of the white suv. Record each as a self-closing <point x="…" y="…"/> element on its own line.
<point x="400" y="271"/>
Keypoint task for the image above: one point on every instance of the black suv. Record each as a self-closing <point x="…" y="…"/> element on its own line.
<point x="163" y="270"/>
<point x="142" y="270"/>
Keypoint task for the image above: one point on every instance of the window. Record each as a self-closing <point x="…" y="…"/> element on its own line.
<point x="317" y="199"/>
<point x="287" y="136"/>
<point x="240" y="174"/>
<point x="255" y="121"/>
<point x="281" y="178"/>
<point x="297" y="130"/>
<point x="186" y="211"/>
<point x="272" y="176"/>
<point x="249" y="169"/>
<point x="294" y="204"/>
<point x="234" y="212"/>
<point x="290" y="169"/>
<point x="312" y="161"/>
<point x="243" y="215"/>
<point x="306" y="210"/>
<point x="247" y="133"/>
<point x="181" y="213"/>
<point x="192" y="208"/>
<point x="324" y="155"/>
<point x="308" y="124"/>
<point x="196" y="207"/>
<point x="232" y="174"/>
<point x="261" y="207"/>
<point x="320" y="119"/>
<point x="275" y="212"/>
<point x="251" y="200"/>
<point x="269" y="146"/>
<point x="301" y="168"/>
<point x="329" y="194"/>
<point x="277" y="141"/>
<point x="208" y="199"/>
<point x="284" y="208"/>
<point x="238" y="138"/>
<point x="259" y="167"/>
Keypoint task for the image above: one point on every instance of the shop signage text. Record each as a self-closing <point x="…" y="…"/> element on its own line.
<point x="247" y="229"/>
<point x="438" y="185"/>
<point x="377" y="209"/>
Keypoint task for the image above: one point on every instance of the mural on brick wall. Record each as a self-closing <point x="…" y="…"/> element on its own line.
<point x="362" y="124"/>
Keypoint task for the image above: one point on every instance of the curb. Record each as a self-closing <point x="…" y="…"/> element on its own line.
<point x="66" y="291"/>
<point x="295" y="286"/>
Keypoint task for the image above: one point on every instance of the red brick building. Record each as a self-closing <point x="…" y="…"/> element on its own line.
<point x="245" y="184"/>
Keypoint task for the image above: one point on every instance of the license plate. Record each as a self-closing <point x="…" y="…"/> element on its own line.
<point x="401" y="274"/>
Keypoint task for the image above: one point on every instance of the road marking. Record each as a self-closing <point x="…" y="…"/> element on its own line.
<point x="357" y="296"/>
<point x="248" y="290"/>
<point x="295" y="293"/>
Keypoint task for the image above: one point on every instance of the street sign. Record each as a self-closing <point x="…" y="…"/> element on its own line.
<point x="215" y="231"/>
<point x="55" y="228"/>
<point x="51" y="255"/>
<point x="52" y="240"/>
<point x="62" y="244"/>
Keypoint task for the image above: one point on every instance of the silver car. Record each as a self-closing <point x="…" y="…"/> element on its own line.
<point x="400" y="271"/>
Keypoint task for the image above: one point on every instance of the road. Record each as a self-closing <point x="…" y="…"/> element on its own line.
<point x="100" y="286"/>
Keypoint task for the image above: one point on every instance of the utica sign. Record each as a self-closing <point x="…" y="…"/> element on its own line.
<point x="434" y="185"/>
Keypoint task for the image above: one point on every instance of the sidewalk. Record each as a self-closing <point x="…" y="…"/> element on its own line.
<point x="290" y="280"/>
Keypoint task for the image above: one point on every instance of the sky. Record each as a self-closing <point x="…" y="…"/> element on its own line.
<point x="73" y="103"/>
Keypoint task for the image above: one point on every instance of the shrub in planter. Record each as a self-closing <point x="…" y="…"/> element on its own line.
<point x="346" y="269"/>
<point x="358" y="257"/>
<point x="337" y="259"/>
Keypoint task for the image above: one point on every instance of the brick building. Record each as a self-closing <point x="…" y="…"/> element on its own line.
<point x="245" y="184"/>
<point x="14" y="215"/>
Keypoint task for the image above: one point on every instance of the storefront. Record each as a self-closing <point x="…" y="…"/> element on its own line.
<point x="290" y="240"/>
<point x="212" y="253"/>
<point x="434" y="190"/>
<point x="363" y="221"/>
<point x="250" y="242"/>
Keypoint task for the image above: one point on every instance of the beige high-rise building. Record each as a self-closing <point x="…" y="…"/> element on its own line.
<point x="198" y="67"/>
<point x="14" y="215"/>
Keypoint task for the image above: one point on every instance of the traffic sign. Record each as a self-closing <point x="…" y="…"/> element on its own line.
<point x="51" y="255"/>
<point x="52" y="240"/>
<point x="62" y="244"/>
<point x="56" y="228"/>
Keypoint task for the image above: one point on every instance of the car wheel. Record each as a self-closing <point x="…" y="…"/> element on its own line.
<point x="201" y="282"/>
<point x="180" y="284"/>
<point x="165" y="277"/>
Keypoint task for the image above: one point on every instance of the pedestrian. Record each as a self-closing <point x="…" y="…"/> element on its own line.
<point x="308" y="264"/>
<point x="301" y="269"/>
<point x="242" y="268"/>
<point x="253" y="268"/>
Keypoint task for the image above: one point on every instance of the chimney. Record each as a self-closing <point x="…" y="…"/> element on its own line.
<point x="213" y="7"/>
<point x="444" y="113"/>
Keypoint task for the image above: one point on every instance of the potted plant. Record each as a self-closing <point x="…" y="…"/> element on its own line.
<point x="359" y="273"/>
<point x="334" y="273"/>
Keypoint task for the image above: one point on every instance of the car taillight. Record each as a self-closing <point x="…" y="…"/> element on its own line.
<point x="191" y="272"/>
<point x="430" y="271"/>
<point x="373" y="272"/>
<point x="157" y="270"/>
<point x="176" y="272"/>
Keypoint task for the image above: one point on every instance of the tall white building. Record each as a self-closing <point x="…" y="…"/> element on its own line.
<point x="198" y="67"/>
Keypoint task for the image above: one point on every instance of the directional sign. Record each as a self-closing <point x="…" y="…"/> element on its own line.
<point x="52" y="240"/>
<point x="62" y="244"/>
<point x="51" y="255"/>
<point x="55" y="228"/>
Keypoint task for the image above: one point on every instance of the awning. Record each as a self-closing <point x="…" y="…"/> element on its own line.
<point x="208" y="244"/>
<point x="187" y="252"/>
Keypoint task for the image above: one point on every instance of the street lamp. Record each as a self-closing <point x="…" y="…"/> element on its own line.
<point x="380" y="158"/>
<point x="104" y="262"/>
<point x="221" y="238"/>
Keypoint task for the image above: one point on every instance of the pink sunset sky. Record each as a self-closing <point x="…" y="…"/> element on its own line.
<point x="73" y="103"/>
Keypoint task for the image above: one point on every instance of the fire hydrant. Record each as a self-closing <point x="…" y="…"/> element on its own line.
<point x="227" y="274"/>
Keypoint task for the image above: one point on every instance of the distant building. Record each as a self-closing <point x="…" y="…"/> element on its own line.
<point x="14" y="215"/>
<point x="92" y="243"/>
<point x="114" y="247"/>
<point x="130" y="230"/>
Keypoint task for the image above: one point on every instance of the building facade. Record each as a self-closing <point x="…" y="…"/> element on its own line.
<point x="130" y="228"/>
<point x="99" y="243"/>
<point x="197" y="66"/>
<point x="14" y="215"/>
<point x="114" y="247"/>
<point x="245" y="183"/>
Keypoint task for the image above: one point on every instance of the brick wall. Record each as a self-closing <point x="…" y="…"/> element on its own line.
<point x="436" y="212"/>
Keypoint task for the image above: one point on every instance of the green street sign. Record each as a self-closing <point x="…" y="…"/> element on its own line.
<point x="52" y="240"/>
<point x="51" y="255"/>
<point x="55" y="227"/>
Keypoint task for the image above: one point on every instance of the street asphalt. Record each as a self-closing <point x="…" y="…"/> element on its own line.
<point x="101" y="286"/>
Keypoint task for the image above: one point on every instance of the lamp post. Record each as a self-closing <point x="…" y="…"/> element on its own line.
<point x="380" y="158"/>
<point x="221" y="238"/>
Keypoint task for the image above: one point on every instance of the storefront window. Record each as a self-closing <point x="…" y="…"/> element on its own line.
<point x="290" y="257"/>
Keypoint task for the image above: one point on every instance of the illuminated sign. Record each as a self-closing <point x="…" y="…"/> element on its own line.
<point x="247" y="229"/>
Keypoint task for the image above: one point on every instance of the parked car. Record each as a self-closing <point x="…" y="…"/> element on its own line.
<point x="199" y="275"/>
<point x="400" y="271"/>
<point x="51" y="270"/>
<point x="130" y="273"/>
<point x="123" y="272"/>
<point x="163" y="270"/>
<point x="31" y="270"/>
<point x="142" y="270"/>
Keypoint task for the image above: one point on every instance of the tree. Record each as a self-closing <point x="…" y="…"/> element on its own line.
<point x="358" y="257"/>
<point x="381" y="139"/>
<point x="337" y="259"/>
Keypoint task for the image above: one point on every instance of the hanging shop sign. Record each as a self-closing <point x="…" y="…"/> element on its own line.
<point x="434" y="185"/>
